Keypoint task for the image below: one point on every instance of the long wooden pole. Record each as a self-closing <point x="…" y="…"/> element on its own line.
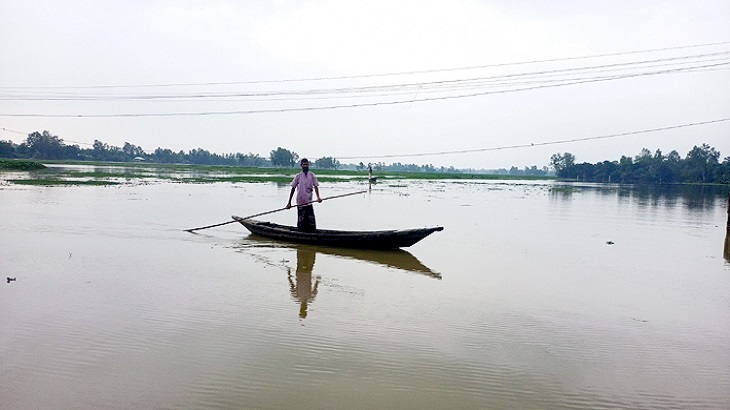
<point x="271" y="212"/>
<point x="726" y="253"/>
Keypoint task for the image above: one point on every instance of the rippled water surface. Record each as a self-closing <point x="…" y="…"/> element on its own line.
<point x="534" y="296"/>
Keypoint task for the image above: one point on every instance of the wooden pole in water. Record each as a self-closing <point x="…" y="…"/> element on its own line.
<point x="727" y="232"/>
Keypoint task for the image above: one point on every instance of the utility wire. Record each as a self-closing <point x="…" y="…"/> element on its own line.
<point x="467" y="151"/>
<point x="13" y="131"/>
<point x="404" y="87"/>
<point x="653" y="50"/>
<point x="430" y="90"/>
<point x="357" y="105"/>
<point x="28" y="133"/>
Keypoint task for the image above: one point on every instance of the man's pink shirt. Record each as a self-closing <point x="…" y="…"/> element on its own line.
<point x="305" y="184"/>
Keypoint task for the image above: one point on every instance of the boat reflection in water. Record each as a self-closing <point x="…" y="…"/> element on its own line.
<point x="303" y="284"/>
<point x="391" y="258"/>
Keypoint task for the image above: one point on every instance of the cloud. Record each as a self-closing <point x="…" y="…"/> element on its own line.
<point x="376" y="36"/>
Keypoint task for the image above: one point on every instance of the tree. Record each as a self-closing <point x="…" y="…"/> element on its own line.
<point x="250" y="160"/>
<point x="200" y="156"/>
<point x="583" y="172"/>
<point x="625" y="169"/>
<point x="281" y="157"/>
<point x="167" y="156"/>
<point x="641" y="166"/>
<point x="722" y="173"/>
<point x="131" y="151"/>
<point x="71" y="152"/>
<point x="100" y="150"/>
<point x="561" y="162"/>
<point x="606" y="171"/>
<point x="327" y="163"/>
<point x="700" y="163"/>
<point x="660" y="169"/>
<point x="7" y="149"/>
<point x="44" y="146"/>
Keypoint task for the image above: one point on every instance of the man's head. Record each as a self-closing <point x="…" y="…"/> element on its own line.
<point x="305" y="165"/>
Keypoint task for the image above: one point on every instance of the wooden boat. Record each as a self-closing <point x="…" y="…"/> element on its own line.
<point x="347" y="239"/>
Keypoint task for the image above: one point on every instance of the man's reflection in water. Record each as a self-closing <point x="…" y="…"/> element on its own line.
<point x="303" y="290"/>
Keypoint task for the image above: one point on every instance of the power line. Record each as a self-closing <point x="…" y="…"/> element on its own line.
<point x="390" y="74"/>
<point x="28" y="133"/>
<point x="371" y="104"/>
<point x="467" y="151"/>
<point x="13" y="131"/>
<point x="77" y="142"/>
<point x="475" y="82"/>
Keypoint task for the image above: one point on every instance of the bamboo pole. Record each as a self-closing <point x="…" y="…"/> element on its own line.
<point x="271" y="212"/>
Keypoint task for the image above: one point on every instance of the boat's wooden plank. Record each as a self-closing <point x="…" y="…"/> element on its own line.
<point x="386" y="239"/>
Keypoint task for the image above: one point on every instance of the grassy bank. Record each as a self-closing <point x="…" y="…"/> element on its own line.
<point x="20" y="165"/>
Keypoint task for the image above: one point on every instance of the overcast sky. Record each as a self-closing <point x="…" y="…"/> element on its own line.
<point x="371" y="80"/>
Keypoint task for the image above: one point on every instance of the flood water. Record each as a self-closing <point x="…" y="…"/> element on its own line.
<point x="536" y="295"/>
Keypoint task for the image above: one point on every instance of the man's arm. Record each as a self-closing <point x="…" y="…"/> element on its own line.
<point x="316" y="190"/>
<point x="291" y="195"/>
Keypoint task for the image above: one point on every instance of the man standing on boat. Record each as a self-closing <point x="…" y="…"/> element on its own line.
<point x="304" y="182"/>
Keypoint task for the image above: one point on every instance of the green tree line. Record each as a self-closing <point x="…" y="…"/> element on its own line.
<point x="700" y="165"/>
<point x="45" y="146"/>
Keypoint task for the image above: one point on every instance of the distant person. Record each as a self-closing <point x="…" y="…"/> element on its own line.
<point x="304" y="182"/>
<point x="370" y="177"/>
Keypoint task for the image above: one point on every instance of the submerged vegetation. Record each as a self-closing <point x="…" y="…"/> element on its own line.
<point x="20" y="165"/>
<point x="61" y="182"/>
<point x="105" y="173"/>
